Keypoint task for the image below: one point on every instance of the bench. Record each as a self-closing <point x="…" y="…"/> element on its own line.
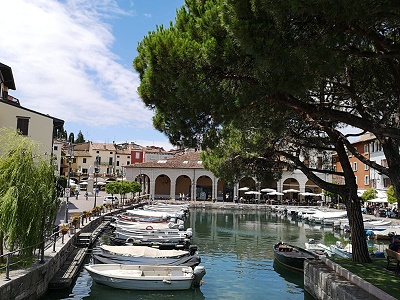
<point x="393" y="256"/>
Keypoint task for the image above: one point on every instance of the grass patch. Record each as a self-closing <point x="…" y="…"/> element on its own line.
<point x="375" y="273"/>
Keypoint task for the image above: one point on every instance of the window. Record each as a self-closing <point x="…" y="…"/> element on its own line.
<point x="137" y="155"/>
<point x="84" y="160"/>
<point x="366" y="167"/>
<point x="355" y="167"/>
<point x="384" y="163"/>
<point x="23" y="125"/>
<point x="128" y="162"/>
<point x="111" y="153"/>
<point x="117" y="163"/>
<point x="366" y="180"/>
<point x="55" y="148"/>
<point x="110" y="161"/>
<point x="366" y="148"/>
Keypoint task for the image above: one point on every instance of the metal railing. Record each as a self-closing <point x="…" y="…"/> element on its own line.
<point x="13" y="258"/>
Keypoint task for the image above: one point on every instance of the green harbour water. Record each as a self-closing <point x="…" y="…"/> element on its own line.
<point x="236" y="249"/>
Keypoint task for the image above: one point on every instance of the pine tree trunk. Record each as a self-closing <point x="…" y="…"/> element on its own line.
<point x="358" y="237"/>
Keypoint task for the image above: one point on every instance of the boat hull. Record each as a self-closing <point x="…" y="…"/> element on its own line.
<point x="134" y="277"/>
<point x="292" y="257"/>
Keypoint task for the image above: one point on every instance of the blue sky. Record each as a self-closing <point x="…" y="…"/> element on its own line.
<point x="73" y="60"/>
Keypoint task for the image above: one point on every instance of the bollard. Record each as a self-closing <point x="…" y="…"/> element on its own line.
<point x="54" y="243"/>
<point x="8" y="267"/>
<point x="42" y="253"/>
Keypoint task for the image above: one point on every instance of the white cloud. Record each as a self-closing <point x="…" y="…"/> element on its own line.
<point x="62" y="63"/>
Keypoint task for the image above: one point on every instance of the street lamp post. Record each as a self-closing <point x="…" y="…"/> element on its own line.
<point x="122" y="184"/>
<point x="96" y="172"/>
<point x="68" y="191"/>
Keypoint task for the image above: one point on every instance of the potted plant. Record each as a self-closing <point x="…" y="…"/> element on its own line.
<point x="75" y="220"/>
<point x="94" y="211"/>
<point x="64" y="228"/>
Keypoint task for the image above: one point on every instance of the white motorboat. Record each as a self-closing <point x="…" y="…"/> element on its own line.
<point x="140" y="251"/>
<point x="122" y="222"/>
<point x="319" y="248"/>
<point x="144" y="255"/>
<point x="342" y="251"/>
<point x="152" y="213"/>
<point x="319" y="217"/>
<point x="377" y="224"/>
<point x="149" y="230"/>
<point x="146" y="277"/>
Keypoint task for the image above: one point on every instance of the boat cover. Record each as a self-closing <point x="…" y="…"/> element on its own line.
<point x="143" y="251"/>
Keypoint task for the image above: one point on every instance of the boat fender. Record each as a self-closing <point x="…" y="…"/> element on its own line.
<point x="149" y="227"/>
<point x="369" y="233"/>
<point x="167" y="281"/>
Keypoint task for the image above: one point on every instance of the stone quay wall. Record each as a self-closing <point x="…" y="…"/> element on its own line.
<point x="326" y="280"/>
<point x="32" y="283"/>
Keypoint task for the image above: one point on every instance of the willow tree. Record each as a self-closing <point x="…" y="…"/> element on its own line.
<point x="28" y="201"/>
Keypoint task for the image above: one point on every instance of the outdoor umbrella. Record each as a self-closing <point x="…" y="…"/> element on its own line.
<point x="243" y="189"/>
<point x="275" y="193"/>
<point x="291" y="191"/>
<point x="252" y="193"/>
<point x="268" y="190"/>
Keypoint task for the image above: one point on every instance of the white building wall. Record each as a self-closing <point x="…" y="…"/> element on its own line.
<point x="40" y="127"/>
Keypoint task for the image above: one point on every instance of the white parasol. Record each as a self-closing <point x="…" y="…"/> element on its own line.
<point x="268" y="190"/>
<point x="243" y="189"/>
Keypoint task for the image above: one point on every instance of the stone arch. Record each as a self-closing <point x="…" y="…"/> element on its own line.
<point x="291" y="183"/>
<point x="248" y="182"/>
<point x="183" y="187"/>
<point x="144" y="181"/>
<point x="311" y="187"/>
<point x="162" y="187"/>
<point x="204" y="188"/>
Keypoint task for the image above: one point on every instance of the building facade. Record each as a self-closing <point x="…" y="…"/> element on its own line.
<point x="35" y="125"/>
<point x="183" y="176"/>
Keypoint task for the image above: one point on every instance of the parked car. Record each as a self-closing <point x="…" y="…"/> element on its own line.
<point x="110" y="199"/>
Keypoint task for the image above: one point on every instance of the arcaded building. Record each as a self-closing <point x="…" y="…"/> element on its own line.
<point x="184" y="176"/>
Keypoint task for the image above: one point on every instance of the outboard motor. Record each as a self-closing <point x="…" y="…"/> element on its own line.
<point x="192" y="250"/>
<point x="198" y="272"/>
<point x="189" y="232"/>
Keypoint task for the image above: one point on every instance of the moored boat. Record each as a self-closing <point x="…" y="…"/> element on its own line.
<point x="342" y="251"/>
<point x="145" y="277"/>
<point x="319" y="248"/>
<point x="292" y="257"/>
<point x="189" y="260"/>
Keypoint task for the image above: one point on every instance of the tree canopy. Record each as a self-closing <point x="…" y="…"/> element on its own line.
<point x="80" y="138"/>
<point x="256" y="81"/>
